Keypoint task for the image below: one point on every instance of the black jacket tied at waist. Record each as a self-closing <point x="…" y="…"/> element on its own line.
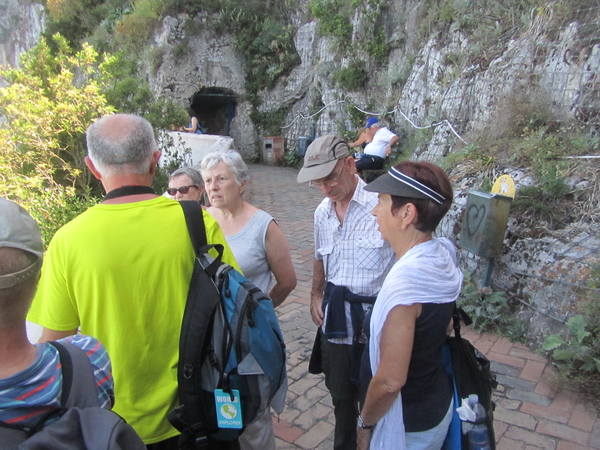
<point x="336" y="297"/>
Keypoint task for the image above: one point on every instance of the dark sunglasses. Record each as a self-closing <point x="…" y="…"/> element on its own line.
<point x="182" y="190"/>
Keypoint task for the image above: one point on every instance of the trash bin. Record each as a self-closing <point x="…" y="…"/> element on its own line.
<point x="303" y="143"/>
<point x="273" y="148"/>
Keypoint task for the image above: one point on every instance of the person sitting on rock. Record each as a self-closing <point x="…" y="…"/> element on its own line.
<point x="380" y="146"/>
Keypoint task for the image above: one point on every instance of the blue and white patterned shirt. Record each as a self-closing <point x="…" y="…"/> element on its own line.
<point x="31" y="393"/>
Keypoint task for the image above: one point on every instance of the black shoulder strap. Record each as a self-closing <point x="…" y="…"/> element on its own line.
<point x="203" y="297"/>
<point x="458" y="314"/>
<point x="194" y="219"/>
<point x="79" y="384"/>
<point x="195" y="223"/>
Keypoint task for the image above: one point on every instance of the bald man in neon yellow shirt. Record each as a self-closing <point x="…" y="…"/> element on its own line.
<point x="120" y="272"/>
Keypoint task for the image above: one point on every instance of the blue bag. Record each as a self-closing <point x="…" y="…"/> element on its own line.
<point x="471" y="374"/>
<point x="453" y="438"/>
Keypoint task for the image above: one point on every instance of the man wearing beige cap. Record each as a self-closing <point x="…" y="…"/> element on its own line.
<point x="351" y="261"/>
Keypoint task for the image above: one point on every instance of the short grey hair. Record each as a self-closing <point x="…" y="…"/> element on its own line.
<point x="191" y="172"/>
<point x="376" y="124"/>
<point x="121" y="143"/>
<point x="231" y="159"/>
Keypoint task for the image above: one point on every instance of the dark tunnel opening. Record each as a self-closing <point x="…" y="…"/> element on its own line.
<point x="215" y="109"/>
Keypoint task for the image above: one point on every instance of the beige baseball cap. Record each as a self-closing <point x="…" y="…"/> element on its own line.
<point x="19" y="230"/>
<point x="321" y="157"/>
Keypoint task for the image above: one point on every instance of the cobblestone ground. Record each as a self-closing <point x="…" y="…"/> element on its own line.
<point x="531" y="412"/>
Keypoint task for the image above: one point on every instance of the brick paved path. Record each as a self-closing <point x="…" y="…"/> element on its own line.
<point x="531" y="412"/>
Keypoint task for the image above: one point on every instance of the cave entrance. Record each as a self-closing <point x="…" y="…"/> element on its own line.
<point x="215" y="109"/>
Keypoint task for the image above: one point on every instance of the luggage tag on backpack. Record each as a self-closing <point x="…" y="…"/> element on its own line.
<point x="229" y="412"/>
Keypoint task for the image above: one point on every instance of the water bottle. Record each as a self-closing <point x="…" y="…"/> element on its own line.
<point x="479" y="438"/>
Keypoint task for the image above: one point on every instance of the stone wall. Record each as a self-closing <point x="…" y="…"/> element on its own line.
<point x="21" y="24"/>
<point x="211" y="60"/>
<point x="419" y="85"/>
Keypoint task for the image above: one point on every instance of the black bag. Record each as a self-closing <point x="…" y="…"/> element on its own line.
<point x="472" y="374"/>
<point x="230" y="340"/>
<point x="82" y="424"/>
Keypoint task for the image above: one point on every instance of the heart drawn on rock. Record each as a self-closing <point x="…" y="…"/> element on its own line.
<point x="475" y="215"/>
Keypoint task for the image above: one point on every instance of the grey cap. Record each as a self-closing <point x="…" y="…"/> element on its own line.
<point x="321" y="157"/>
<point x="19" y="230"/>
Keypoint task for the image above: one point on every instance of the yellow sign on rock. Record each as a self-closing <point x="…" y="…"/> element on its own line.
<point x="504" y="185"/>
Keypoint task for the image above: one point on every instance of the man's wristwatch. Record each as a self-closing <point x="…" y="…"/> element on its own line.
<point x="361" y="424"/>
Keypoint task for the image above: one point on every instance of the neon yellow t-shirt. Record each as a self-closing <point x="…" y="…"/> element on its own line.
<point x="121" y="273"/>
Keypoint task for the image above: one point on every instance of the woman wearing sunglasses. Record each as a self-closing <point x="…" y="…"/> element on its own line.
<point x="259" y="247"/>
<point x="187" y="184"/>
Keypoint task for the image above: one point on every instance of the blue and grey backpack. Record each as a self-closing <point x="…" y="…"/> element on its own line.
<point x="231" y="351"/>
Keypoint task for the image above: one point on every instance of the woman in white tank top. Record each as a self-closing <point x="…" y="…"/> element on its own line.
<point x="259" y="247"/>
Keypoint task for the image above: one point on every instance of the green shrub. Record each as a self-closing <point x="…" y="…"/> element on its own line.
<point x="577" y="355"/>
<point x="128" y="94"/>
<point x="181" y="49"/>
<point x="352" y="78"/>
<point x="334" y="19"/>
<point x="270" y="122"/>
<point x="487" y="309"/>
<point x="155" y="58"/>
<point x="291" y="159"/>
<point x="132" y="32"/>
<point x="265" y="38"/>
<point x="526" y="132"/>
<point x="174" y="155"/>
<point x="581" y="351"/>
<point x="48" y="103"/>
<point x="74" y="19"/>
<point x="377" y="47"/>
<point x="270" y="52"/>
<point x="490" y="23"/>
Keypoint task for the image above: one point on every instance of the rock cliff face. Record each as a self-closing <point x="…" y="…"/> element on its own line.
<point x="21" y="24"/>
<point x="422" y="83"/>
<point x="424" y="80"/>
<point x="212" y="61"/>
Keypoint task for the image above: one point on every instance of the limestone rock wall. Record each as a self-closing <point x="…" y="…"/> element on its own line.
<point x="420" y="86"/>
<point x="21" y="24"/>
<point x="208" y="60"/>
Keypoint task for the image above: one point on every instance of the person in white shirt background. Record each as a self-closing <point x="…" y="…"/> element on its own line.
<point x="382" y="141"/>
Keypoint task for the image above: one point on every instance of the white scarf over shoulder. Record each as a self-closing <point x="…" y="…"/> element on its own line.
<point x="427" y="273"/>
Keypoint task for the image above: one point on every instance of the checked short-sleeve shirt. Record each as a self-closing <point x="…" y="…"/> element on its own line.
<point x="354" y="254"/>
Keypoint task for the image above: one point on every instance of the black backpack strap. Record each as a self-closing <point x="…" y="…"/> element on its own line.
<point x="202" y="300"/>
<point x="195" y="223"/>
<point x="79" y="384"/>
<point x="458" y="314"/>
